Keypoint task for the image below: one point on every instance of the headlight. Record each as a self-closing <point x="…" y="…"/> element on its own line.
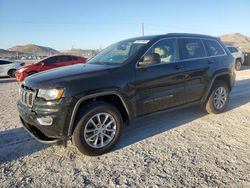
<point x="21" y="70"/>
<point x="50" y="94"/>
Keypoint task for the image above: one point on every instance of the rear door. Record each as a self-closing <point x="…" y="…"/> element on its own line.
<point x="76" y="60"/>
<point x="64" y="61"/>
<point x="197" y="65"/>
<point x="160" y="86"/>
<point x="4" y="67"/>
<point x="48" y="63"/>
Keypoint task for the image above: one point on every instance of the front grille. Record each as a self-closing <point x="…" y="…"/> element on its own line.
<point x="26" y="96"/>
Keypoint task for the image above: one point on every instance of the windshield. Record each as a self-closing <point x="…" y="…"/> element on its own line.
<point x="119" y="52"/>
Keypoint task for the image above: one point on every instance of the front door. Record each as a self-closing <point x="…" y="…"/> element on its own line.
<point x="160" y="86"/>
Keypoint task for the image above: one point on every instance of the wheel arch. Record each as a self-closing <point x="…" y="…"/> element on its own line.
<point x="225" y="77"/>
<point x="239" y="58"/>
<point x="113" y="98"/>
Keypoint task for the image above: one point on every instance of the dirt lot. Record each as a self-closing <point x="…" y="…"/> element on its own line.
<point x="185" y="148"/>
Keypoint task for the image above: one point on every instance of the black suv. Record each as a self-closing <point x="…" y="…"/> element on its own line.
<point x="90" y="103"/>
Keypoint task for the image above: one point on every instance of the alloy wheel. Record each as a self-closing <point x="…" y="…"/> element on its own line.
<point x="100" y="130"/>
<point x="220" y="98"/>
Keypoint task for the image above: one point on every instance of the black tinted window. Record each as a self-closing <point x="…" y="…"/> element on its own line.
<point x="232" y="49"/>
<point x="192" y="48"/>
<point x="213" y="48"/>
<point x="63" y="59"/>
<point x="4" y="62"/>
<point x="50" y="61"/>
<point x="167" y="50"/>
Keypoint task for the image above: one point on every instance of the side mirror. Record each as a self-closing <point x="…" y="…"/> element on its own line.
<point x="42" y="64"/>
<point x="150" y="59"/>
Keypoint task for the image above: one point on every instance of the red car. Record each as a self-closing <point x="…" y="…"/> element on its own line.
<point x="48" y="63"/>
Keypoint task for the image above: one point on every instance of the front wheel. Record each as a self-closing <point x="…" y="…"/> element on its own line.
<point x="218" y="98"/>
<point x="98" y="130"/>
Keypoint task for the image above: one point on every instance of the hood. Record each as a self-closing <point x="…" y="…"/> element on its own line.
<point x="60" y="76"/>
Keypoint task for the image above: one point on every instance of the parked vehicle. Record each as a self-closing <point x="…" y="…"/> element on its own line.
<point x="238" y="55"/>
<point x="9" y="67"/>
<point x="48" y="63"/>
<point x="89" y="104"/>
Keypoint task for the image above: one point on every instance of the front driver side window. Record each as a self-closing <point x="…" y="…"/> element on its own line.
<point x="166" y="49"/>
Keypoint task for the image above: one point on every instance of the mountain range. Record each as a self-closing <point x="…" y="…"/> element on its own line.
<point x="235" y="39"/>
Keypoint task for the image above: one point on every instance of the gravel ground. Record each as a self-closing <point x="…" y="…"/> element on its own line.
<point x="184" y="148"/>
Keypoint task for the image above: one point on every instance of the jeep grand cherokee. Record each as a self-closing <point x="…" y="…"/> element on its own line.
<point x="89" y="103"/>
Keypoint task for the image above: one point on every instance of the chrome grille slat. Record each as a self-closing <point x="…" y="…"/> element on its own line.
<point x="26" y="97"/>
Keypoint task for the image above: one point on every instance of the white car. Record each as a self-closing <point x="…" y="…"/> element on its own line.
<point x="239" y="56"/>
<point x="9" y="67"/>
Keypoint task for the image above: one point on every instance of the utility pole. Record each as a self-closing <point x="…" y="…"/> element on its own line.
<point x="142" y="29"/>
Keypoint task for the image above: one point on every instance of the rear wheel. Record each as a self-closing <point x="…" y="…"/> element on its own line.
<point x="218" y="98"/>
<point x="11" y="73"/>
<point x="238" y="64"/>
<point x="98" y="130"/>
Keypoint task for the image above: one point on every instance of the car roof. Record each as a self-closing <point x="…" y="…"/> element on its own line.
<point x="56" y="55"/>
<point x="151" y="37"/>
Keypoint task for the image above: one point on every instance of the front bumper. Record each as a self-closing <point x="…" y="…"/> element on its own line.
<point x="39" y="135"/>
<point x="56" y="133"/>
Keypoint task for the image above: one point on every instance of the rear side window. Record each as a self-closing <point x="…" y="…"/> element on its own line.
<point x="50" y="60"/>
<point x="63" y="59"/>
<point x="232" y="49"/>
<point x="213" y="48"/>
<point x="192" y="48"/>
<point x="4" y="62"/>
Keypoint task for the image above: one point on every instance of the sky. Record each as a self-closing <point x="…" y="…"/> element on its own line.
<point x="94" y="24"/>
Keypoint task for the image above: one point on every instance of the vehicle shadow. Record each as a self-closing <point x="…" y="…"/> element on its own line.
<point x="245" y="67"/>
<point x="158" y="123"/>
<point x="4" y="80"/>
<point x="17" y="143"/>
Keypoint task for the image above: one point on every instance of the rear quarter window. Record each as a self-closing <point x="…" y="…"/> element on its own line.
<point x="192" y="48"/>
<point x="213" y="48"/>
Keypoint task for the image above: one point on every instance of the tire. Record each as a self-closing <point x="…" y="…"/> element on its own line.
<point x="89" y="142"/>
<point x="32" y="72"/>
<point x="210" y="106"/>
<point x="11" y="73"/>
<point x="238" y="65"/>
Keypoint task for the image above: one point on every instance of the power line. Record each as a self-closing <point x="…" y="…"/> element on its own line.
<point x="67" y="23"/>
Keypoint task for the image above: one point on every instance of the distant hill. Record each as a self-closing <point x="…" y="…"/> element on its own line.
<point x="237" y="39"/>
<point x="9" y="54"/>
<point x="34" y="50"/>
<point x="81" y="52"/>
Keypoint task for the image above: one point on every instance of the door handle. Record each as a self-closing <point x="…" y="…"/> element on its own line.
<point x="179" y="67"/>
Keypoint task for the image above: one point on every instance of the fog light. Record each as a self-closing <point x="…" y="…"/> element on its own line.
<point x="45" y="120"/>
